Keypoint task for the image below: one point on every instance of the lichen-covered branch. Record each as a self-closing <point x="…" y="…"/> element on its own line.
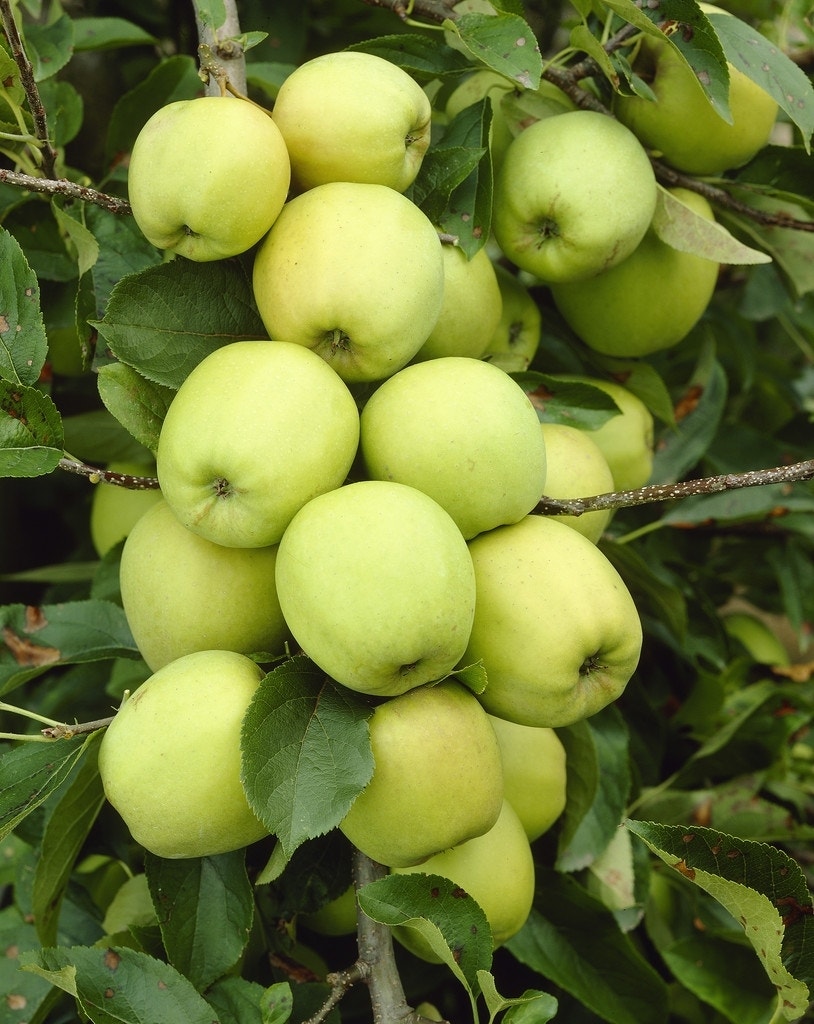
<point x="96" y="475"/>
<point x="225" y="61"/>
<point x="63" y="187"/>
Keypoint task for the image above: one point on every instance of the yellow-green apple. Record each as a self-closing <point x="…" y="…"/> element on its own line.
<point x="517" y="336"/>
<point x="646" y="303"/>
<point x="170" y="759"/>
<point x="376" y="584"/>
<point x="576" y="468"/>
<point x="496" y="869"/>
<point x="626" y="438"/>
<point x="462" y="431"/>
<point x="355" y="272"/>
<point x="256" y="430"/>
<point x="114" y="510"/>
<point x="336" y="917"/>
<point x="574" y="196"/>
<point x="182" y="593"/>
<point x="534" y="775"/>
<point x="681" y="125"/>
<point x="438" y="777"/>
<point x="471" y="308"/>
<point x="208" y="177"/>
<point x="352" y="116"/>
<point x="555" y="626"/>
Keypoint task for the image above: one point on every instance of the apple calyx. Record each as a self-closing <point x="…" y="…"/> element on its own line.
<point x="547" y="228"/>
<point x="590" y="665"/>
<point x="222" y="487"/>
<point x="337" y="340"/>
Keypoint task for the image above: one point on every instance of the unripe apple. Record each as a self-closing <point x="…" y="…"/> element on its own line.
<point x="574" y="196"/>
<point x="496" y="869"/>
<point x="354" y="272"/>
<point x="646" y="303"/>
<point x="208" y="177"/>
<point x="114" y="510"/>
<point x="376" y="584"/>
<point x="170" y="760"/>
<point x="471" y="308"/>
<point x="576" y="468"/>
<point x="182" y="593"/>
<point x="438" y="777"/>
<point x="353" y="116"/>
<point x="463" y="432"/>
<point x="534" y="773"/>
<point x="336" y="917"/>
<point x="555" y="626"/>
<point x="256" y="430"/>
<point x="517" y="336"/>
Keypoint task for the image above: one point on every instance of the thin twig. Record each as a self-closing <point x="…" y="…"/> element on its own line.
<point x="435" y="11"/>
<point x="65" y="731"/>
<point x="792" y="473"/>
<point x="222" y="59"/>
<point x="63" y="187"/>
<point x="49" y="154"/>
<point x="109" y="476"/>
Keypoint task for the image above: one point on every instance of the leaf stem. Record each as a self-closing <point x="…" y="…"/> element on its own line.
<point x="14" y="710"/>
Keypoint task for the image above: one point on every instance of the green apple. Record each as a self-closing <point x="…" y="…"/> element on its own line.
<point x="256" y="430"/>
<point x="471" y="309"/>
<point x="626" y="438"/>
<point x="517" y="336"/>
<point x="182" y="593"/>
<point x="438" y="777"/>
<point x="355" y="272"/>
<point x="208" y="177"/>
<point x="114" y="510"/>
<point x="555" y="626"/>
<point x="682" y="126"/>
<point x="376" y="584"/>
<point x="462" y="431"/>
<point x="574" y="196"/>
<point x="576" y="468"/>
<point x="496" y="869"/>
<point x="759" y="639"/>
<point x="336" y="917"/>
<point x="353" y="116"/>
<point x="479" y="85"/>
<point x="646" y="303"/>
<point x="170" y="760"/>
<point x="534" y="776"/>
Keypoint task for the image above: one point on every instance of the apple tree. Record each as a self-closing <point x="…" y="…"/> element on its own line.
<point x="406" y="512"/>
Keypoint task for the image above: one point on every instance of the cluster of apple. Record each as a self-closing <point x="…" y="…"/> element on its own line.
<point x="387" y="531"/>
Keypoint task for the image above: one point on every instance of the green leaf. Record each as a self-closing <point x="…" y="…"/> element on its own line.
<point x="563" y="401"/>
<point x="49" y="46"/>
<point x="83" y="243"/>
<point x="211" y="13"/>
<point x="108" y="34"/>
<point x="740" y="505"/>
<point x="30" y="773"/>
<point x="115" y="985"/>
<point x="682" y="228"/>
<point x="35" y="639"/>
<point x="65" y="109"/>
<point x="277" y="1003"/>
<point x="651" y="592"/>
<point x="574" y="941"/>
<point x="23" y="344"/>
<point x="26" y="997"/>
<point x="761" y="886"/>
<point x="306" y="752"/>
<point x="148" y="326"/>
<point x="450" y="920"/>
<point x="123" y="250"/>
<point x="503" y="42"/>
<point x="422" y="56"/>
<point x="442" y="171"/>
<point x="236" y="1000"/>
<point x="138" y="404"/>
<point x="205" y="909"/>
<point x="765" y="63"/>
<point x="532" y="1007"/>
<point x="69" y="823"/>
<point x="30" y="431"/>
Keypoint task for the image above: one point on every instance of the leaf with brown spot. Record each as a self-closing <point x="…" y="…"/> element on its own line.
<point x="26" y="652"/>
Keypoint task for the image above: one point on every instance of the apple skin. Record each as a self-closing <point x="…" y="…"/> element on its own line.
<point x="182" y="593"/>
<point x="496" y="869"/>
<point x="256" y="430"/>
<point x="352" y="116"/>
<point x="576" y="468"/>
<point x="534" y="774"/>
<point x="462" y="431"/>
<point x="355" y="272"/>
<point x="114" y="510"/>
<point x="648" y="302"/>
<point x="555" y="626"/>
<point x="625" y="439"/>
<point x="336" y="917"/>
<point x="682" y="126"/>
<point x="170" y="760"/>
<point x="376" y="584"/>
<point x="516" y="338"/>
<point x="574" y="196"/>
<point x="471" y="308"/>
<point x="184" y="171"/>
<point x="438" y="779"/>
